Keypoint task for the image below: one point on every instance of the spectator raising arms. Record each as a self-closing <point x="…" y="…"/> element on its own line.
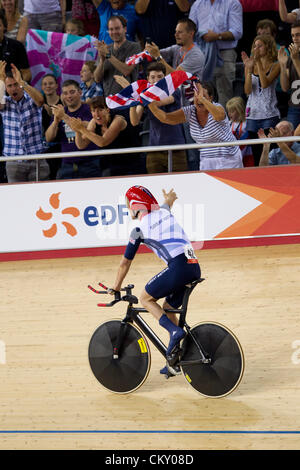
<point x="288" y="17"/>
<point x="208" y="124"/>
<point x="261" y="72"/>
<point x="290" y="74"/>
<point x="17" y="24"/>
<point x="21" y="114"/>
<point x="161" y="134"/>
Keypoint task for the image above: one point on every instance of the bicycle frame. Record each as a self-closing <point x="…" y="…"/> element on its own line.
<point x="133" y="315"/>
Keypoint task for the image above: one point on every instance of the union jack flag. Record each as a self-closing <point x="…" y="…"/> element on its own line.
<point x="165" y="87"/>
<point x="129" y="96"/>
<point x="141" y="92"/>
<point x="58" y="53"/>
<point x="137" y="58"/>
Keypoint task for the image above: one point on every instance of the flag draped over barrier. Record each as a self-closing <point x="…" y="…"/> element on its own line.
<point x="141" y="92"/>
<point x="60" y="54"/>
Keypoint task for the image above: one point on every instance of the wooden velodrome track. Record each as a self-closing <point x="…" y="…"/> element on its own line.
<point x="51" y="400"/>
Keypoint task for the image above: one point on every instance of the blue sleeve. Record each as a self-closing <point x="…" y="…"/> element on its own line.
<point x="135" y="239"/>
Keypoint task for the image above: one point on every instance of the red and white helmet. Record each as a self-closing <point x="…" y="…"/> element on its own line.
<point x="140" y="198"/>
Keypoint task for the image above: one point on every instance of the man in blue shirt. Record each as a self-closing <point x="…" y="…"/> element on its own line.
<point x="219" y="26"/>
<point x="108" y="8"/>
<point x="286" y="152"/>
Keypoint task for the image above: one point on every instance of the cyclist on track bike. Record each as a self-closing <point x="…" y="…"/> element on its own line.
<point x="160" y="231"/>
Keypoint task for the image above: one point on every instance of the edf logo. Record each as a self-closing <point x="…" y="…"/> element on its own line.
<point x="108" y="215"/>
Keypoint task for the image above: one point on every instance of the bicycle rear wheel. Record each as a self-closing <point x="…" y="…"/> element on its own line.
<point x="223" y="374"/>
<point x="130" y="370"/>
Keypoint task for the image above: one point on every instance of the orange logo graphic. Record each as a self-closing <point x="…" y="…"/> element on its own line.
<point x="55" y="203"/>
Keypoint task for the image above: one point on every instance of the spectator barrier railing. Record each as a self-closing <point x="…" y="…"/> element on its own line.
<point x="147" y="149"/>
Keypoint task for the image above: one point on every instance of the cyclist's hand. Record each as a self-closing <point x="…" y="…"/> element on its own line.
<point x="111" y="291"/>
<point x="169" y="197"/>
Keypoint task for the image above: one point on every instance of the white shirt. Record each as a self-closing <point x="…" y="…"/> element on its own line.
<point x="41" y="6"/>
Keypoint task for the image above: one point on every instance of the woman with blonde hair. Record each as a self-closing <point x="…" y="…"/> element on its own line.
<point x="236" y="110"/>
<point x="17" y="24"/>
<point x="261" y="72"/>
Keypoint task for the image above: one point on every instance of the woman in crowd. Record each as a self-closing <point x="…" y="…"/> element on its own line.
<point x="106" y="130"/>
<point x="17" y="24"/>
<point x="49" y="87"/>
<point x="88" y="86"/>
<point x="208" y="124"/>
<point x="236" y="110"/>
<point x="261" y="72"/>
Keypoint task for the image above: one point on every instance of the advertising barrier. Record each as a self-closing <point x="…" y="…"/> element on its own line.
<point x="82" y="217"/>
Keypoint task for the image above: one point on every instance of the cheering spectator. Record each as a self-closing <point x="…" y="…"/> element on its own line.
<point x="158" y="19"/>
<point x="208" y="124"/>
<point x="161" y="134"/>
<point x="108" y="8"/>
<point x="261" y="72"/>
<point x="49" y="87"/>
<point x="112" y="57"/>
<point x="60" y="131"/>
<point x="107" y="130"/>
<point x="88" y="86"/>
<point x="21" y="114"/>
<point x="13" y="51"/>
<point x="17" y="24"/>
<point x="286" y="152"/>
<point x="290" y="74"/>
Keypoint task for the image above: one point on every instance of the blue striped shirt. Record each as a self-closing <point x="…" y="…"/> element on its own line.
<point x="221" y="16"/>
<point x="22" y="123"/>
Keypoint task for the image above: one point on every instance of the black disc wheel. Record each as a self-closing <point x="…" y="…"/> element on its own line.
<point x="224" y="372"/>
<point x="128" y="371"/>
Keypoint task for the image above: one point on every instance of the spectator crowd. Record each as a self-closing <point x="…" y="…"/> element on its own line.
<point x="244" y="56"/>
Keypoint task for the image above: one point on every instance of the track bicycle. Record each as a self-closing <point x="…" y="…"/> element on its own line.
<point x="209" y="357"/>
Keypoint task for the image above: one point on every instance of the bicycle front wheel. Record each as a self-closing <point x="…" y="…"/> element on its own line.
<point x="129" y="371"/>
<point x="224" y="372"/>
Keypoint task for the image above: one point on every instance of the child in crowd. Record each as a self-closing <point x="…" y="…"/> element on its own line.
<point x="88" y="86"/>
<point x="236" y="110"/>
<point x="74" y="26"/>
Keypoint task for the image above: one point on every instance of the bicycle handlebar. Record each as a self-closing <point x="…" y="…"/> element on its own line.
<point x="127" y="298"/>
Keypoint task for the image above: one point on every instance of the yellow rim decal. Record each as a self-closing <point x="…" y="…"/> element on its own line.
<point x="142" y="345"/>
<point x="188" y="378"/>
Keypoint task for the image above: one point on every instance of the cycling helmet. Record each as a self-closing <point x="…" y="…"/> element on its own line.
<point x="139" y="198"/>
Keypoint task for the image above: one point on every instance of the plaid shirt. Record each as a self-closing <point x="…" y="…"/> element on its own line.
<point x="22" y="124"/>
<point x="94" y="90"/>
